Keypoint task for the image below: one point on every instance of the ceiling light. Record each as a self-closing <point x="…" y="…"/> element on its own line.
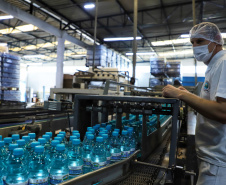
<point x="186" y="52"/>
<point x="6" y="17"/>
<point x="89" y="6"/>
<point x="170" y="42"/>
<point x="148" y="53"/>
<point x="120" y="38"/>
<point x="3" y="44"/>
<point x="33" y="56"/>
<point x="19" y="29"/>
<point x="185" y="36"/>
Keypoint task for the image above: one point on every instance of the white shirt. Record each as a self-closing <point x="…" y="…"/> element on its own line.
<point x="211" y="135"/>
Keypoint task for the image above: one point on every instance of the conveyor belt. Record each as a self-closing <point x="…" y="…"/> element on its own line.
<point x="145" y="175"/>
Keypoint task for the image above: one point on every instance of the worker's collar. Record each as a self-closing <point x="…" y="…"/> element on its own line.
<point x="215" y="58"/>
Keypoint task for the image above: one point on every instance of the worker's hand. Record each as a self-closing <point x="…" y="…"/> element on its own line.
<point x="171" y="91"/>
<point x="182" y="88"/>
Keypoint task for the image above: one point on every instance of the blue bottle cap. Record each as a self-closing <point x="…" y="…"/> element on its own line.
<point x="103" y="124"/>
<point x="49" y="133"/>
<point x="130" y="128"/>
<point x="75" y="131"/>
<point x="60" y="147"/>
<point x="124" y="132"/>
<point x="26" y="138"/>
<point x="88" y="128"/>
<point x="0" y="137"/>
<point x="8" y="140"/>
<point x="77" y="135"/>
<point x="100" y="133"/>
<point x="90" y="136"/>
<point x="32" y="135"/>
<point x="105" y="131"/>
<point x="126" y="127"/>
<point x="98" y="125"/>
<point x="95" y="127"/>
<point x="101" y="128"/>
<point x="58" y="138"/>
<point x="15" y="136"/>
<point x="12" y="146"/>
<point x="60" y="135"/>
<point x="63" y="132"/>
<point x="2" y="143"/>
<point x="108" y="127"/>
<point x="105" y="136"/>
<point x="35" y="143"/>
<point x="92" y="130"/>
<point x="88" y="133"/>
<point x="39" y="149"/>
<point x="20" y="142"/>
<point x="99" y="139"/>
<point x="42" y="140"/>
<point x="76" y="141"/>
<point x="117" y="130"/>
<point x="47" y="137"/>
<point x="115" y="133"/>
<point x="55" y="142"/>
<point x="18" y="151"/>
<point x="72" y="137"/>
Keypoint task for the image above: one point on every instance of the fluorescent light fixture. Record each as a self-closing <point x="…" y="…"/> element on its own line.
<point x="78" y="55"/>
<point x="3" y="44"/>
<point x="34" y="64"/>
<point x="6" y="17"/>
<point x="185" y="52"/>
<point x="185" y="36"/>
<point x="121" y="38"/>
<point x="170" y="42"/>
<point x="223" y="35"/>
<point x="19" y="29"/>
<point x="33" y="56"/>
<point x="148" y="53"/>
<point x="89" y="6"/>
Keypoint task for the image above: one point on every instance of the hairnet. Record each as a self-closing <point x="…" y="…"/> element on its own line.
<point x="208" y="31"/>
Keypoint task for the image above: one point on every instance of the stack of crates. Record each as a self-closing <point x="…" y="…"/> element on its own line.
<point x="10" y="77"/>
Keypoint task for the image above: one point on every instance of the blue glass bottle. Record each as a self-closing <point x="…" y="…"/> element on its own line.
<point x="70" y="142"/>
<point x="75" y="163"/>
<point x="85" y="137"/>
<point x="15" y="137"/>
<point x="38" y="172"/>
<point x="17" y="172"/>
<point x="115" y="147"/>
<point x="10" y="153"/>
<point x="59" y="171"/>
<point x="86" y="153"/>
<point x="51" y="152"/>
<point x="98" y="155"/>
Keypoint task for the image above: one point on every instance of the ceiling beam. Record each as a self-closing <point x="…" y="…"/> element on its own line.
<point x="28" y="18"/>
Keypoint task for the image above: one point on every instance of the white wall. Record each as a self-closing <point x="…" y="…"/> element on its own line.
<point x="45" y="75"/>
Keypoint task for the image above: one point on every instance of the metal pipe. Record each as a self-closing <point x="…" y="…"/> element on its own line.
<point x="95" y="33"/>
<point x="135" y="36"/>
<point x="194" y="23"/>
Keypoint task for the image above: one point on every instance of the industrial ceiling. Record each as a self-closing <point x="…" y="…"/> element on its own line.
<point x="158" y="20"/>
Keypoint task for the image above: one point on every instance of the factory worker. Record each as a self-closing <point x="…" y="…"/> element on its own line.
<point x="210" y="134"/>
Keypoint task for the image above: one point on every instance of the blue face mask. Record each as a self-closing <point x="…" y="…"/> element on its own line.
<point x="202" y="54"/>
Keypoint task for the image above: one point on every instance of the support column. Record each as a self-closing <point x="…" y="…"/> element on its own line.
<point x="60" y="60"/>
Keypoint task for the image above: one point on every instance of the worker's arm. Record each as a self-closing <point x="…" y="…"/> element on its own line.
<point x="215" y="110"/>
